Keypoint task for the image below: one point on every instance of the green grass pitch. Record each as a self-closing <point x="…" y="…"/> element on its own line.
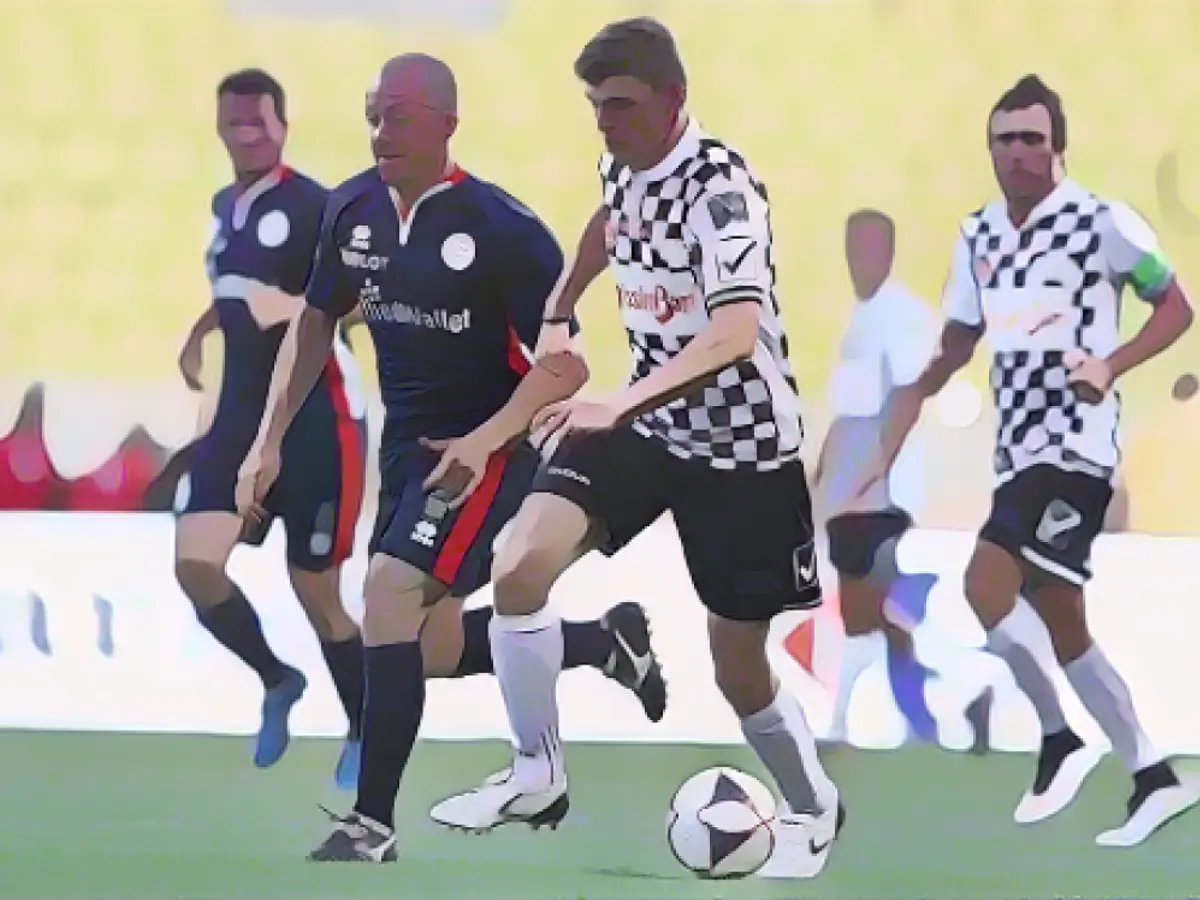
<point x="131" y="817"/>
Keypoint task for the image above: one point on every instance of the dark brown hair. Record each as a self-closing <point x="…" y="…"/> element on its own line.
<point x="639" y="48"/>
<point x="255" y="83"/>
<point x="1032" y="91"/>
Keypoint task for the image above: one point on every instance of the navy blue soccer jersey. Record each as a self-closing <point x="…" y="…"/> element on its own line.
<point x="453" y="295"/>
<point x="263" y="236"/>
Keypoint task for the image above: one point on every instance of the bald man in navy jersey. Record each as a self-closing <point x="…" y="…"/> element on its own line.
<point x="451" y="274"/>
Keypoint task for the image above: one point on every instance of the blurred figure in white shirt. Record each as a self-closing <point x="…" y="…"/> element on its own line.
<point x="890" y="339"/>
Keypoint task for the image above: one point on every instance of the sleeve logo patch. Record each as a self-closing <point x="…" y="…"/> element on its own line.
<point x="736" y="259"/>
<point x="726" y="209"/>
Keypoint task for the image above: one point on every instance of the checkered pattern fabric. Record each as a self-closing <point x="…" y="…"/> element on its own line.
<point x="1039" y="417"/>
<point x="748" y="416"/>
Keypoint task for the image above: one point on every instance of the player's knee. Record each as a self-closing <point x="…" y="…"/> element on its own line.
<point x="547" y="535"/>
<point x="321" y="598"/>
<point x="740" y="664"/>
<point x="861" y="606"/>
<point x="529" y="563"/>
<point x="897" y="637"/>
<point x="1061" y="606"/>
<point x="521" y="581"/>
<point x="396" y="600"/>
<point x="203" y="581"/>
<point x="442" y="639"/>
<point x="991" y="585"/>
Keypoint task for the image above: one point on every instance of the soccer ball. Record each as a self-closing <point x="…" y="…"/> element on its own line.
<point x="720" y="824"/>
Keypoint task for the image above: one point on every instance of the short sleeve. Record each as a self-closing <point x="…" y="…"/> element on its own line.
<point x="961" y="301"/>
<point x="531" y="264"/>
<point x="328" y="288"/>
<point x="302" y="238"/>
<point x="729" y="223"/>
<point x="912" y="341"/>
<point x="1131" y="250"/>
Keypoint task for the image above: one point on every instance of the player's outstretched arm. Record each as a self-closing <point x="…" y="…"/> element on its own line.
<point x="964" y="326"/>
<point x="1132" y="249"/>
<point x="1170" y="320"/>
<point x="302" y="357"/>
<point x="955" y="349"/>
<point x="730" y="336"/>
<point x="732" y="234"/>
<point x="591" y="258"/>
<point x="191" y="356"/>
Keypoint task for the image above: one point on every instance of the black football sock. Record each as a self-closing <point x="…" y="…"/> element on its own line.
<point x="395" y="702"/>
<point x="477" y="646"/>
<point x="347" y="668"/>
<point x="587" y="644"/>
<point x="584" y="644"/>
<point x="235" y="624"/>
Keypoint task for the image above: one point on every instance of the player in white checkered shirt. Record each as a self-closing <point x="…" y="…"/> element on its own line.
<point x="708" y="429"/>
<point x="1042" y="272"/>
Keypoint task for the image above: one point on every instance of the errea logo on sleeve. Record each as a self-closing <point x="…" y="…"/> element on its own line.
<point x="357" y="254"/>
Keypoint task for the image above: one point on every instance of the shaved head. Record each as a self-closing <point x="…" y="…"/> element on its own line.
<point x="413" y="113"/>
<point x="422" y="78"/>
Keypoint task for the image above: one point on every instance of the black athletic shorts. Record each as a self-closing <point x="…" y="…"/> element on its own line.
<point x="747" y="536"/>
<point x="855" y="538"/>
<point x="1049" y="518"/>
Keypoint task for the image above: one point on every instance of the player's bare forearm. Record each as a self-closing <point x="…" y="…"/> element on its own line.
<point x="955" y="349"/>
<point x="208" y="321"/>
<point x="903" y="413"/>
<point x="822" y="459"/>
<point x="591" y="258"/>
<point x="354" y="317"/>
<point x="1171" y="319"/>
<point x="302" y="356"/>
<point x="550" y="380"/>
<point x="730" y="336"/>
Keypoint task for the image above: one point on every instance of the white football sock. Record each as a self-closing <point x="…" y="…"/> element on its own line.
<point x="783" y="741"/>
<point x="527" y="652"/>
<point x="1014" y="640"/>
<point x="1106" y="696"/>
<point x="859" y="653"/>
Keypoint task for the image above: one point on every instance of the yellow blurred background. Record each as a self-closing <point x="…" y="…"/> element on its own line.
<point x="108" y="159"/>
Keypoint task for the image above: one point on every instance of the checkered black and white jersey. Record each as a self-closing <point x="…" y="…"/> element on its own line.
<point x="1044" y="292"/>
<point x="683" y="238"/>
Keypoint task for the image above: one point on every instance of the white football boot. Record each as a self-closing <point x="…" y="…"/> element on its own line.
<point x="1159" y="796"/>
<point x="802" y="842"/>
<point x="1064" y="763"/>
<point x="533" y="791"/>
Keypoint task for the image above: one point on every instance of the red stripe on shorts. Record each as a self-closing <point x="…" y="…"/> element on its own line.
<point x="351" y="455"/>
<point x="467" y="527"/>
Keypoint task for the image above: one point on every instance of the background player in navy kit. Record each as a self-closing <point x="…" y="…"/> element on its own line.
<point x="265" y="229"/>
<point x="451" y="274"/>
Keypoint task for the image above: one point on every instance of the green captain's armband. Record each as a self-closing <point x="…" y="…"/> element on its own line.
<point x="1151" y="275"/>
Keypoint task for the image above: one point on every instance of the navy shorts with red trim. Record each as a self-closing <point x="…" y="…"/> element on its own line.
<point x="453" y="546"/>
<point x="319" y="493"/>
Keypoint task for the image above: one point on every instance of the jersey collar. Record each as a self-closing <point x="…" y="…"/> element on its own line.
<point x="246" y="197"/>
<point x="687" y="146"/>
<point x="405" y="217"/>
<point x="1064" y="192"/>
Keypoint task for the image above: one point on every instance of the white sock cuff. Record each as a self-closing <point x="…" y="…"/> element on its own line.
<point x="1089" y="657"/>
<point x="1021" y="625"/>
<point x="542" y="619"/>
<point x="767" y="718"/>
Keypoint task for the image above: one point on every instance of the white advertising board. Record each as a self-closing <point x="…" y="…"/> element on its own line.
<point x="95" y="634"/>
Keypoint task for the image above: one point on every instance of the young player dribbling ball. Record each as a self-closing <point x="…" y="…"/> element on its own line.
<point x="708" y="429"/>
